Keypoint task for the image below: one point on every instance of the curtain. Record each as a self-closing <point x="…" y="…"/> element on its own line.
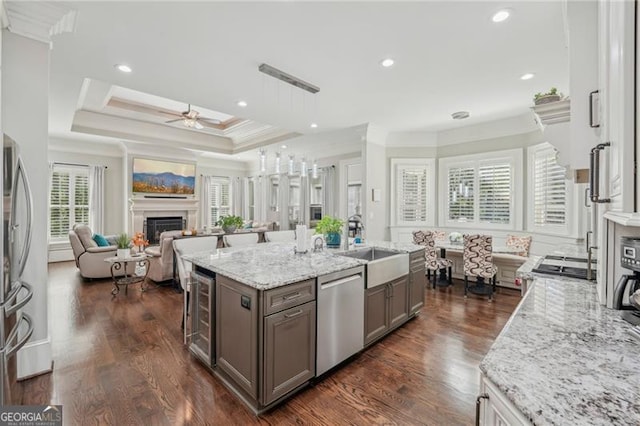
<point x="96" y="198"/>
<point x="328" y="178"/>
<point x="205" y="201"/>
<point x="237" y="194"/>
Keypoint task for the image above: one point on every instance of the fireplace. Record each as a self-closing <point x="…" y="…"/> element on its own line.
<point x="154" y="226"/>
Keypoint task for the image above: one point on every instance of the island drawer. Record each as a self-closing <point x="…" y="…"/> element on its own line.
<point x="287" y="296"/>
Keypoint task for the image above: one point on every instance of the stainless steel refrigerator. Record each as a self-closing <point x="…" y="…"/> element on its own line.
<point x="16" y="327"/>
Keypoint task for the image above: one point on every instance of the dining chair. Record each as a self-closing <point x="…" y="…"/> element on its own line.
<point x="240" y="240"/>
<point x="432" y="261"/>
<point x="182" y="247"/>
<point x="280" y="236"/>
<point x="478" y="262"/>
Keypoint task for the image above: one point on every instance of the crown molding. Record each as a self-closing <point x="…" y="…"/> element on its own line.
<point x="39" y="20"/>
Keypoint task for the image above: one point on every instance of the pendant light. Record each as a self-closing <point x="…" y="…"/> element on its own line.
<point x="277" y="163"/>
<point x="291" y="168"/>
<point x="263" y="161"/>
<point x="314" y="170"/>
<point x="303" y="167"/>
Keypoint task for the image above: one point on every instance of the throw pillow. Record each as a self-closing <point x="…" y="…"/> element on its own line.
<point x="100" y="240"/>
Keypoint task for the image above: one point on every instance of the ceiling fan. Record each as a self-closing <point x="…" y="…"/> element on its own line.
<point x="191" y="118"/>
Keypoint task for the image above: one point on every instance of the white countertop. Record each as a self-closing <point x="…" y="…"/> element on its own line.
<point x="564" y="359"/>
<point x="269" y="265"/>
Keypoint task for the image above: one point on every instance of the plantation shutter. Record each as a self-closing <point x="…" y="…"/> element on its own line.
<point x="550" y="190"/>
<point x="68" y="200"/>
<point x="59" y="212"/>
<point x="220" y="196"/>
<point x="413" y="184"/>
<point x="495" y="193"/>
<point x="461" y="203"/>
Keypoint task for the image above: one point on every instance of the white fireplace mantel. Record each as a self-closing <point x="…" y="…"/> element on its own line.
<point x="144" y="207"/>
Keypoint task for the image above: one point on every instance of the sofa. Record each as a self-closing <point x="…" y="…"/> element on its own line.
<point x="89" y="257"/>
<point x="161" y="260"/>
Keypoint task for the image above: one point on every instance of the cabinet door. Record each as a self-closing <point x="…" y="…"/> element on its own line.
<point x="398" y="302"/>
<point x="417" y="283"/>
<point x="290" y="350"/>
<point x="375" y="313"/>
<point x="497" y="409"/>
<point x="237" y="333"/>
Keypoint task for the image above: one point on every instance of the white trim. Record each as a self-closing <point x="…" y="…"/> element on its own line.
<point x="515" y="159"/>
<point x="35" y="358"/>
<point x="430" y="166"/>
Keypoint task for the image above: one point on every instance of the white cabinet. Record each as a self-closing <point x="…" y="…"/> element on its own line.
<point x="495" y="409"/>
<point x="617" y="112"/>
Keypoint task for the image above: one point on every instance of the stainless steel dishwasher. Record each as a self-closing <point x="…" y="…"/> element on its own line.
<point x="340" y="317"/>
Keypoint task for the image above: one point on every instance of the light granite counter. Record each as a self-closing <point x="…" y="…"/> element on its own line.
<point x="564" y="359"/>
<point x="269" y="265"/>
<point x="387" y="245"/>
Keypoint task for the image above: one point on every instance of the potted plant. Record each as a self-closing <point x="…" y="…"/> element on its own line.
<point x="123" y="242"/>
<point x="544" y="98"/>
<point x="331" y="228"/>
<point x="230" y="223"/>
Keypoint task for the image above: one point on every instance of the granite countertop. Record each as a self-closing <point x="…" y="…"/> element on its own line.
<point x="525" y="270"/>
<point x="564" y="359"/>
<point x="269" y="265"/>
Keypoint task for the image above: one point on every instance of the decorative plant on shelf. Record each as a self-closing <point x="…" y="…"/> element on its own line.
<point x="123" y="243"/>
<point x="330" y="227"/>
<point x="230" y="223"/>
<point x="544" y="98"/>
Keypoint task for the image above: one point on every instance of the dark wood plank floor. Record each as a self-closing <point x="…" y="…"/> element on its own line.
<point x="121" y="361"/>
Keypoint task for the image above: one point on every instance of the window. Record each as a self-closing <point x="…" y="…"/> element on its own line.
<point x="482" y="190"/>
<point x="69" y="200"/>
<point x="354" y="203"/>
<point x="220" y="198"/>
<point x="549" y="191"/>
<point x="413" y="188"/>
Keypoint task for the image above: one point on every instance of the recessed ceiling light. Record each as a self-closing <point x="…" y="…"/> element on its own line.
<point x="527" y="76"/>
<point x="387" y="62"/>
<point x="242" y="104"/>
<point x="123" y="67"/>
<point x="460" y="115"/>
<point x="313" y="125"/>
<point x="501" y="15"/>
<point x="283" y="146"/>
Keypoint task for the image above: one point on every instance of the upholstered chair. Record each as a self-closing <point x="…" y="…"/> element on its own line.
<point x="432" y="261"/>
<point x="161" y="260"/>
<point x="182" y="247"/>
<point x="240" y="240"/>
<point x="478" y="262"/>
<point x="520" y="242"/>
<point x="89" y="256"/>
<point x="280" y="236"/>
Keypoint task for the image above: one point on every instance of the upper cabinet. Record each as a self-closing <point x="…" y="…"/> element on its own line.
<point x="617" y="104"/>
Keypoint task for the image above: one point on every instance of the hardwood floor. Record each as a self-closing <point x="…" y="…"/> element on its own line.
<point x="121" y="361"/>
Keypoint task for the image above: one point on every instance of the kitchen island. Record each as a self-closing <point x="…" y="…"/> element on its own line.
<point x="562" y="359"/>
<point x="262" y="322"/>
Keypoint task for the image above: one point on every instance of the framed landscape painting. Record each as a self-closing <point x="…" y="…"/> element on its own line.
<point x="163" y="177"/>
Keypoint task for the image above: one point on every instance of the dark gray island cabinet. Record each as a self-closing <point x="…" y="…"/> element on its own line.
<point x="269" y="329"/>
<point x="265" y="340"/>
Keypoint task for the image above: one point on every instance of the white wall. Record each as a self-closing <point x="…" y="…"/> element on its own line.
<point x="25" y="103"/>
<point x="375" y="214"/>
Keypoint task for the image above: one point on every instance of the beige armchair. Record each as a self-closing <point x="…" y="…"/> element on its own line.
<point x="161" y="260"/>
<point x="88" y="256"/>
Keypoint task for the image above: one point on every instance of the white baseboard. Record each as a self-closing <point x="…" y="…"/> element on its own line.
<point x="60" y="255"/>
<point x="35" y="358"/>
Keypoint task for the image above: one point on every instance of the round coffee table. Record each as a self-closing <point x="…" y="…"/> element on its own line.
<point x="119" y="264"/>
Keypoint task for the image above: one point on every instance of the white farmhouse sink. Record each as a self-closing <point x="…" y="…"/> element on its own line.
<point x="382" y="265"/>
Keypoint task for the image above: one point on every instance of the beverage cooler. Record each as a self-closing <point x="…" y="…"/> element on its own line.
<point x="16" y="327"/>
